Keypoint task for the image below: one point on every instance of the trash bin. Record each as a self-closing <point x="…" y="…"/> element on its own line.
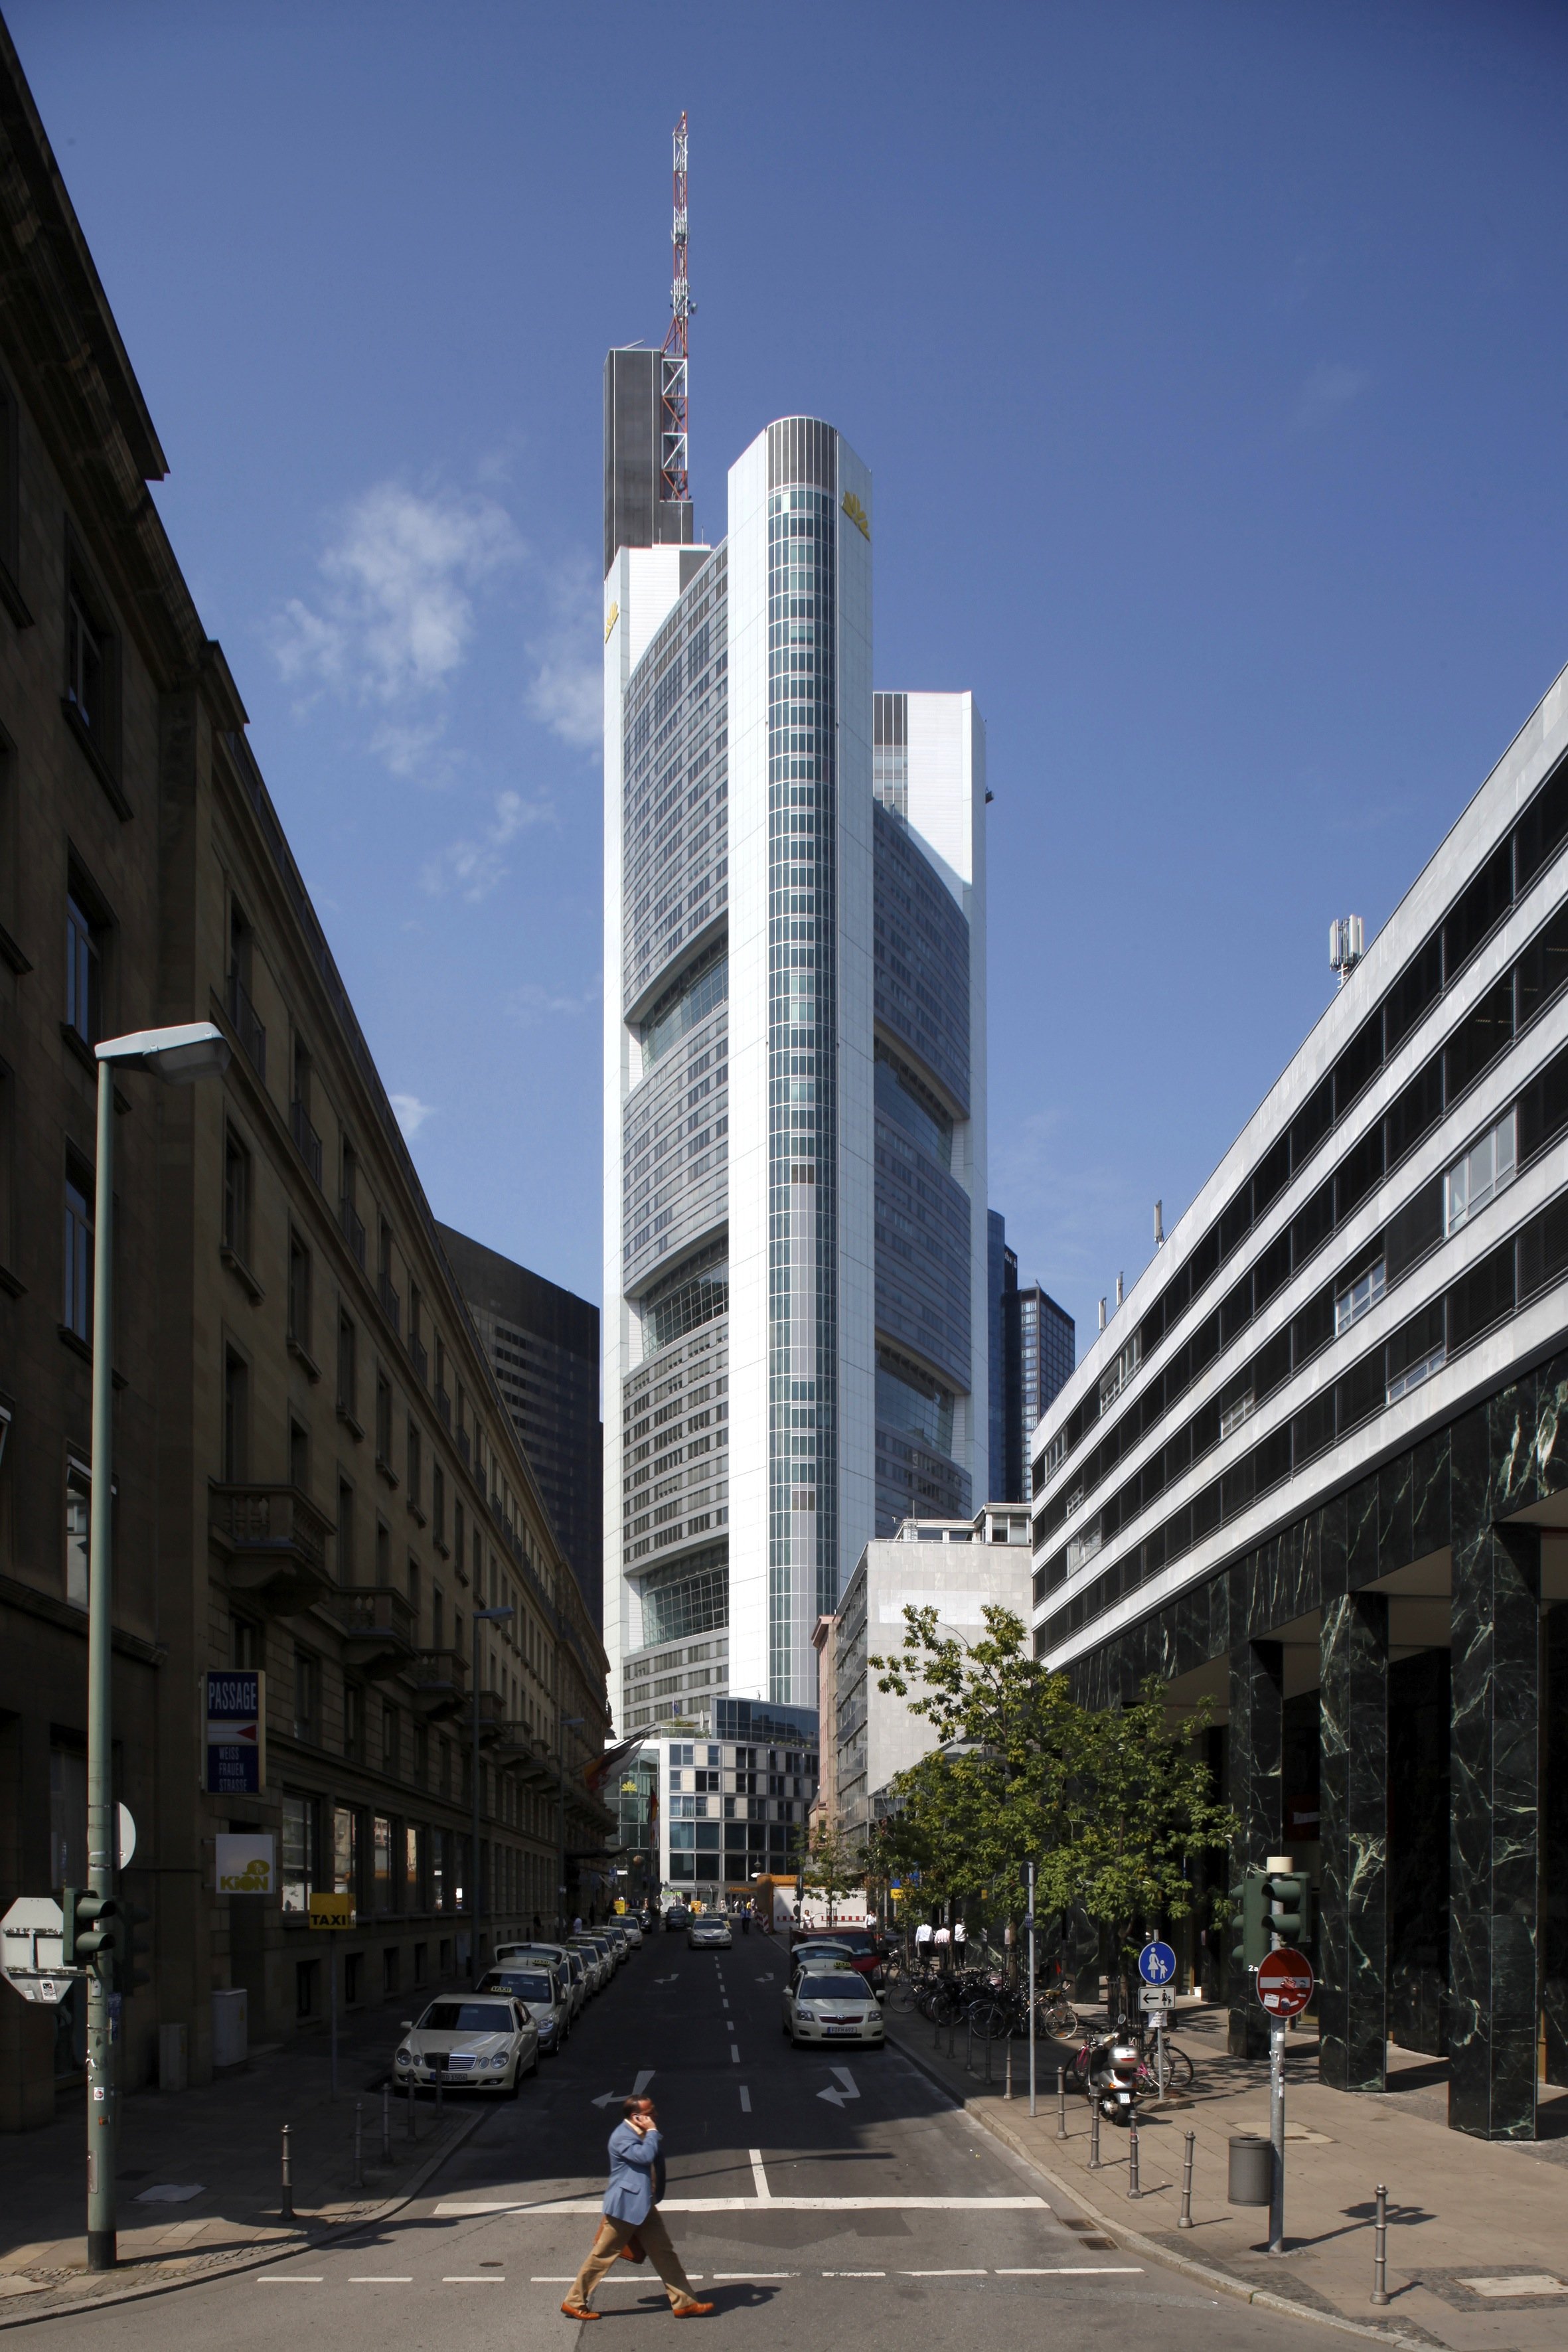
<point x="1251" y="2178"/>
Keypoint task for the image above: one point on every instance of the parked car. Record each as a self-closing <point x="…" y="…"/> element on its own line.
<point x="819" y="1953"/>
<point x="709" y="1934"/>
<point x="598" y="1964"/>
<point x="678" y="1916"/>
<point x="479" y="2042"/>
<point x="835" y="2006"/>
<point x="865" y="1947"/>
<point x="571" y="1965"/>
<point x="544" y="1996"/>
<point x="615" y="1935"/>
<point x="631" y="1927"/>
<point x="597" y="1941"/>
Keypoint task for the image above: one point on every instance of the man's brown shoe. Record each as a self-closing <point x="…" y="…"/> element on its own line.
<point x="580" y="2311"/>
<point x="687" y="2310"/>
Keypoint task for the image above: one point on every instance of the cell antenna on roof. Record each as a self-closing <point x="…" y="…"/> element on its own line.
<point x="673" y="473"/>
<point x="1347" y="945"/>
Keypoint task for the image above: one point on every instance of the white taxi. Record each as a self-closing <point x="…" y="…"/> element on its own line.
<point x="833" y="2005"/>
<point x="477" y="2041"/>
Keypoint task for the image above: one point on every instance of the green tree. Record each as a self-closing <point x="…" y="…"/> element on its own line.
<point x="831" y="1862"/>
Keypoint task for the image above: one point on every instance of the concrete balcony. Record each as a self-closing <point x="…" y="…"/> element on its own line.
<point x="493" y="1724"/>
<point x="437" y="1683"/>
<point x="273" y="1541"/>
<point x="378" y="1627"/>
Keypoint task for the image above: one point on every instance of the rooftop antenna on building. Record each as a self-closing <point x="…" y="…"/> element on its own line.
<point x="672" y="479"/>
<point x="1347" y="945"/>
<point x="1159" y="1224"/>
<point x="1102" y="1314"/>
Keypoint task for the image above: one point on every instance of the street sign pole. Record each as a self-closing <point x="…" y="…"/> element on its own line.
<point x="100" y="1818"/>
<point x="1277" y="2132"/>
<point x="332" y="2004"/>
<point x="1032" y="2107"/>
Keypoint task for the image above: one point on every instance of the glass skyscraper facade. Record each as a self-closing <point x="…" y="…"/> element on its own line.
<point x="1032" y="1346"/>
<point x="794" y="1330"/>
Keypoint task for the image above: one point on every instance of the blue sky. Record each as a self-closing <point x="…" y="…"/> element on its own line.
<point x="1211" y="364"/>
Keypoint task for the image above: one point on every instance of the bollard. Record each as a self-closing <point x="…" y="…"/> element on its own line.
<point x="1094" y="2163"/>
<point x="386" y="2123"/>
<point x="287" y="2179"/>
<point x="1009" y="2092"/>
<point x="440" y="2071"/>
<point x="1133" y="2190"/>
<point x="1185" y="2221"/>
<point x="1061" y="2103"/>
<point x="413" y="2123"/>
<point x="359" y="2143"/>
<point x="1380" y="2249"/>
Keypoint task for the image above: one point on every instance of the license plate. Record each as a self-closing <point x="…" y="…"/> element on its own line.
<point x="842" y="2029"/>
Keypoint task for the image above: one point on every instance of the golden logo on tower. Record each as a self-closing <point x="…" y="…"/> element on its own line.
<point x="614" y="614"/>
<point x="856" y="514"/>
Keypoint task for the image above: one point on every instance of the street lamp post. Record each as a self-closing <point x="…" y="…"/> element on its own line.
<point x="481" y="1617"/>
<point x="563" y="1722"/>
<point x="180" y="1055"/>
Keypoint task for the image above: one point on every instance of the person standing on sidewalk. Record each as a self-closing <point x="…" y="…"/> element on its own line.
<point x="631" y="2210"/>
<point x="922" y="1940"/>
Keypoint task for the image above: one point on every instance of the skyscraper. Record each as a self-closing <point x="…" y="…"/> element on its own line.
<point x="1044" y="1348"/>
<point x="795" y="1279"/>
<point x="1001" y="1289"/>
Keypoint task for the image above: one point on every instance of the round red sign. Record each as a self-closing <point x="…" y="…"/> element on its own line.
<point x="1285" y="1982"/>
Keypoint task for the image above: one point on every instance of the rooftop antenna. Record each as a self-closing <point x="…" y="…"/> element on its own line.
<point x="672" y="482"/>
<point x="1347" y="945"/>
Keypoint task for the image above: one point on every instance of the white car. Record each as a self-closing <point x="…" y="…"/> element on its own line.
<point x="632" y="1932"/>
<point x="835" y="2006"/>
<point x="569" y="1964"/>
<point x="477" y="2041"/>
<point x="708" y="1933"/>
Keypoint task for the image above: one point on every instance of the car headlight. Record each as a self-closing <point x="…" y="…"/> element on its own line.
<point x="405" y="2058"/>
<point x="500" y="2058"/>
<point x="805" y="2017"/>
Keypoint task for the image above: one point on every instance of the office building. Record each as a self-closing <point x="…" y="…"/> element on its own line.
<point x="958" y="1568"/>
<point x="795" y="1116"/>
<point x="709" y="1818"/>
<point x="1001" y="1288"/>
<point x="1042" y="1349"/>
<point x="315" y="1475"/>
<point x="1314" y="1470"/>
<point x="544" y="1348"/>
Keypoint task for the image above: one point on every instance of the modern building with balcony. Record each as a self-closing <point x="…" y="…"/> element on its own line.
<point x="1314" y="1471"/>
<point x="795" y="1349"/>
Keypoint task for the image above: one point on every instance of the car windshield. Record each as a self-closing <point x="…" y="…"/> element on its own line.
<point x="522" y="1987"/>
<point x="811" y="1956"/>
<point x="844" y="1986"/>
<point x="466" y="2017"/>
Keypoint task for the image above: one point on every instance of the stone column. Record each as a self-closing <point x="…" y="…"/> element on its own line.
<point x="1256" y="1710"/>
<point x="1352" y="1936"/>
<point x="1493" y="1821"/>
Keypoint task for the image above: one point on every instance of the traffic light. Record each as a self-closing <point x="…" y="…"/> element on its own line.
<point x="128" y="1948"/>
<point x="90" y="1927"/>
<point x="1251" y="1922"/>
<point x="1291" y="1894"/>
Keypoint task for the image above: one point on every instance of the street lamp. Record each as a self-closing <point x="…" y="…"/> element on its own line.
<point x="481" y="1617"/>
<point x="563" y="1724"/>
<point x="198" y="1050"/>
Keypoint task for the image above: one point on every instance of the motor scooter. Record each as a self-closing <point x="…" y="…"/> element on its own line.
<point x="1114" y="2062"/>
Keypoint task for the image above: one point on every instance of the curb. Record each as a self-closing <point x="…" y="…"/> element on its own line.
<point x="1203" y="2272"/>
<point x="30" y="2311"/>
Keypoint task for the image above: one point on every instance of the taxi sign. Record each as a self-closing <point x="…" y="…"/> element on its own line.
<point x="331" y="1911"/>
<point x="1285" y="1982"/>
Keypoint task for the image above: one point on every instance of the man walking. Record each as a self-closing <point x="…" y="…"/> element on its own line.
<point x="631" y="2209"/>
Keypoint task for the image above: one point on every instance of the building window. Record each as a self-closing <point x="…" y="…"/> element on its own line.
<point x="391" y="1726"/>
<point x="77" y="1298"/>
<point x="245" y="1648"/>
<point x="299" y="1292"/>
<point x="307" y="1982"/>
<point x="235" y="1418"/>
<point x="345" y="1532"/>
<point x="381" y="1845"/>
<point x="416" y="1463"/>
<point x="306" y="1695"/>
<point x="353" y="1722"/>
<point x="89" y="666"/>
<point x="79" y="1514"/>
<point x="1240" y="1409"/>
<point x="301" y="1841"/>
<point x="84" y="968"/>
<point x="299" y="1456"/>
<point x="345" y="1852"/>
<point x="236" y="1197"/>
<point x="1481" y="1174"/>
<point x="1360" y="1296"/>
<point x="415" y="1599"/>
<point x="382" y="1422"/>
<point x="348" y="1369"/>
<point x="438" y="1502"/>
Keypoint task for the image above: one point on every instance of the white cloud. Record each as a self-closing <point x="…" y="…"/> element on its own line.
<point x="474" y="865"/>
<point x="532" y="1003"/>
<point x="411" y="1114"/>
<point x="1331" y="387"/>
<point x="395" y="613"/>
<point x="566" y="692"/>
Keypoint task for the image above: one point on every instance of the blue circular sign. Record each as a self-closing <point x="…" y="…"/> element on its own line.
<point x="1157" y="1964"/>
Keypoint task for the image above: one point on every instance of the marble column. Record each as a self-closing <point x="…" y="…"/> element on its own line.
<point x="1256" y="1711"/>
<point x="1352" y="1932"/>
<point x="1494" y="1797"/>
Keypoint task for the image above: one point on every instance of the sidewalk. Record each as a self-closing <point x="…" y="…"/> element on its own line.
<point x="1470" y="2223"/>
<point x="224" y="2144"/>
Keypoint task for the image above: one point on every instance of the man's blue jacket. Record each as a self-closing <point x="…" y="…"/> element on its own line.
<point x="637" y="2174"/>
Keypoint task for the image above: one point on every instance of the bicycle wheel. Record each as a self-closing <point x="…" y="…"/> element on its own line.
<point x="900" y="1995"/>
<point x="1060" y="2020"/>
<point x="1178" y="2068"/>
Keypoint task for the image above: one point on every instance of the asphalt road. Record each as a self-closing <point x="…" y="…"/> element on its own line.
<point x="839" y="2195"/>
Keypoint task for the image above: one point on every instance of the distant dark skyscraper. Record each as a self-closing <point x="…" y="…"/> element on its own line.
<point x="543" y="1344"/>
<point x="1033" y="1349"/>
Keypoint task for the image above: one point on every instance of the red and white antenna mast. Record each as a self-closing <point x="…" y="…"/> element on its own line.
<point x="672" y="483"/>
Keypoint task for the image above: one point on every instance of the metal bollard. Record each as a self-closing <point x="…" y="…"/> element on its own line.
<point x="440" y="2073"/>
<point x="386" y="2123"/>
<point x="287" y="2179"/>
<point x="1134" y="2189"/>
<point x="1189" y="2140"/>
<point x="359" y="2143"/>
<point x="1061" y="2103"/>
<point x="1009" y="2092"/>
<point x="413" y="2122"/>
<point x="1094" y="2163"/>
<point x="1380" y="2249"/>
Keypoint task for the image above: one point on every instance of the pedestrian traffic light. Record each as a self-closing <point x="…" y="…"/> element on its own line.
<point x="89" y="1925"/>
<point x="1290" y="1897"/>
<point x="1251" y="1922"/>
<point x="128" y="1948"/>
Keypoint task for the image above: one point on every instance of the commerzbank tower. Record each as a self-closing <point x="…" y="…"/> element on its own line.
<point x="795" y="1066"/>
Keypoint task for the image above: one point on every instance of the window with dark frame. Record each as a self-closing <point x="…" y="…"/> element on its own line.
<point x="79" y="1514"/>
<point x="299" y="1292"/>
<point x="345" y="1532"/>
<point x="235" y="1418"/>
<point x="77" y="1300"/>
<point x="236" y="1196"/>
<point x="299" y="1457"/>
<point x="84" y="967"/>
<point x="348" y="1380"/>
<point x="384" y="1421"/>
<point x="87" y="664"/>
<point x="416" y="1464"/>
<point x="306" y="1695"/>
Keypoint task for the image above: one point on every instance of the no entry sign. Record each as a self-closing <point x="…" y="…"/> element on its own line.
<point x="1285" y="1982"/>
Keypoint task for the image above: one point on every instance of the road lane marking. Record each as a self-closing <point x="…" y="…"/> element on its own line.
<point x="554" y="2282"/>
<point x="755" y="2275"/>
<point x="286" y="2278"/>
<point x="942" y="2274"/>
<point x="759" y="2175"/>
<point x="475" y="2278"/>
<point x="745" y="2100"/>
<point x="734" y="2054"/>
<point x="854" y="2273"/>
<point x="456" y="2209"/>
<point x="380" y="2278"/>
<point x="1080" y="2270"/>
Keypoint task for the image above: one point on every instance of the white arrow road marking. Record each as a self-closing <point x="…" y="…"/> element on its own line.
<point x="846" y="2091"/>
<point x="767" y="1980"/>
<point x="759" y="2175"/>
<point x="674" y="1979"/>
<point x="638" y="2087"/>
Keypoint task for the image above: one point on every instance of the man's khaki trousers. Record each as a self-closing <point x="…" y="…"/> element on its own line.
<point x="605" y="2252"/>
